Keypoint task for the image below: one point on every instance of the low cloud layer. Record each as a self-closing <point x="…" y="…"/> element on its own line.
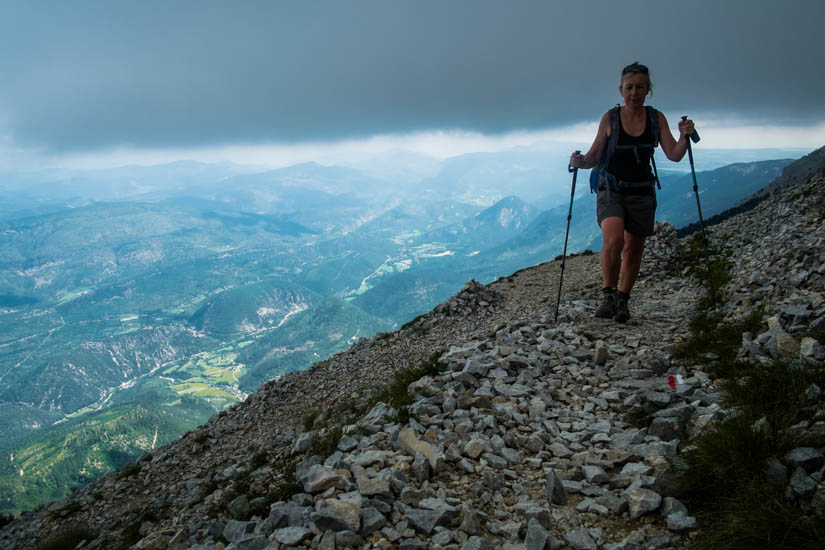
<point x="80" y="76"/>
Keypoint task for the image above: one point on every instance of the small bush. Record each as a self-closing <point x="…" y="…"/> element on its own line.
<point x="396" y="394"/>
<point x="287" y="486"/>
<point x="698" y="254"/>
<point x="327" y="445"/>
<point x="715" y="343"/>
<point x="309" y="419"/>
<point x="258" y="459"/>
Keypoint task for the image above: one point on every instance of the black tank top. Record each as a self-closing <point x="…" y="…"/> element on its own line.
<point x="625" y="165"/>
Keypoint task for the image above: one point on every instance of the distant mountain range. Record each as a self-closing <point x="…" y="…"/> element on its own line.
<point x="129" y="294"/>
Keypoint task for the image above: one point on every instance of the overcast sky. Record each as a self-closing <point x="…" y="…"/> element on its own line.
<point x="85" y="78"/>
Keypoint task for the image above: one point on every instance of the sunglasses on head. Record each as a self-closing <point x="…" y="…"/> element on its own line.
<point x="635" y="67"/>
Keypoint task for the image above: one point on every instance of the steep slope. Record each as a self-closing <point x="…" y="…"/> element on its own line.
<point x="523" y="400"/>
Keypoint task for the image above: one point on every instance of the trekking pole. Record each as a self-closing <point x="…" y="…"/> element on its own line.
<point x="695" y="138"/>
<point x="575" y="172"/>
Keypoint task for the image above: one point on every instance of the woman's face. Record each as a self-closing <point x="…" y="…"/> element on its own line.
<point x="634" y="89"/>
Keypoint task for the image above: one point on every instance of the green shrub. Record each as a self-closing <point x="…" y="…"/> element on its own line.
<point x="715" y="343"/>
<point x="396" y="394"/>
<point x="287" y="485"/>
<point x="326" y="445"/>
<point x="309" y="419"/>
<point x="698" y="255"/>
<point x="258" y="459"/>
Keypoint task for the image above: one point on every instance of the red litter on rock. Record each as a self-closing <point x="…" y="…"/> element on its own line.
<point x="671" y="381"/>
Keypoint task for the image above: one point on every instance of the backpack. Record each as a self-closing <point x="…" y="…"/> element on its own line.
<point x="599" y="175"/>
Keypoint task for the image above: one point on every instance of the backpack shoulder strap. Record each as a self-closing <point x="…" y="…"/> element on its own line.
<point x="613" y="139"/>
<point x="653" y="121"/>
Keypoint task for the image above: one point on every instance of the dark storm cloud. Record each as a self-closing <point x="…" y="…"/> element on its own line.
<point x="89" y="75"/>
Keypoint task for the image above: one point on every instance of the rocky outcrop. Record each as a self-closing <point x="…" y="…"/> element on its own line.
<point x="536" y="434"/>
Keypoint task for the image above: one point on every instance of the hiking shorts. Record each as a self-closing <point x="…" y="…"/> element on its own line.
<point x="637" y="211"/>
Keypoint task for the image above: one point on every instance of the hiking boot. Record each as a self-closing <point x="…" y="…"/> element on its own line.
<point x="622" y="313"/>
<point x="607" y="309"/>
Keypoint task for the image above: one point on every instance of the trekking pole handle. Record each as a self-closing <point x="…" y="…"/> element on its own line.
<point x="569" y="167"/>
<point x="695" y="135"/>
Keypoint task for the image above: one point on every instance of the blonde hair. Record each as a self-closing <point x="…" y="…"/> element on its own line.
<point x="637" y="68"/>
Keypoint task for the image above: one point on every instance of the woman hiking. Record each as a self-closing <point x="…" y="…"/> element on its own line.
<point x="626" y="199"/>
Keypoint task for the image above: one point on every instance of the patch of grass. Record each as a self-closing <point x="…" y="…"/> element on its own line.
<point x="817" y="334"/>
<point x="68" y="538"/>
<point x="69" y="509"/>
<point x="287" y="486"/>
<point x="761" y="519"/>
<point x="725" y="475"/>
<point x="715" y="343"/>
<point x="396" y="394"/>
<point x="776" y="392"/>
<point x="727" y="459"/>
<point x="412" y="322"/>
<point x="130" y="534"/>
<point x="200" y="437"/>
